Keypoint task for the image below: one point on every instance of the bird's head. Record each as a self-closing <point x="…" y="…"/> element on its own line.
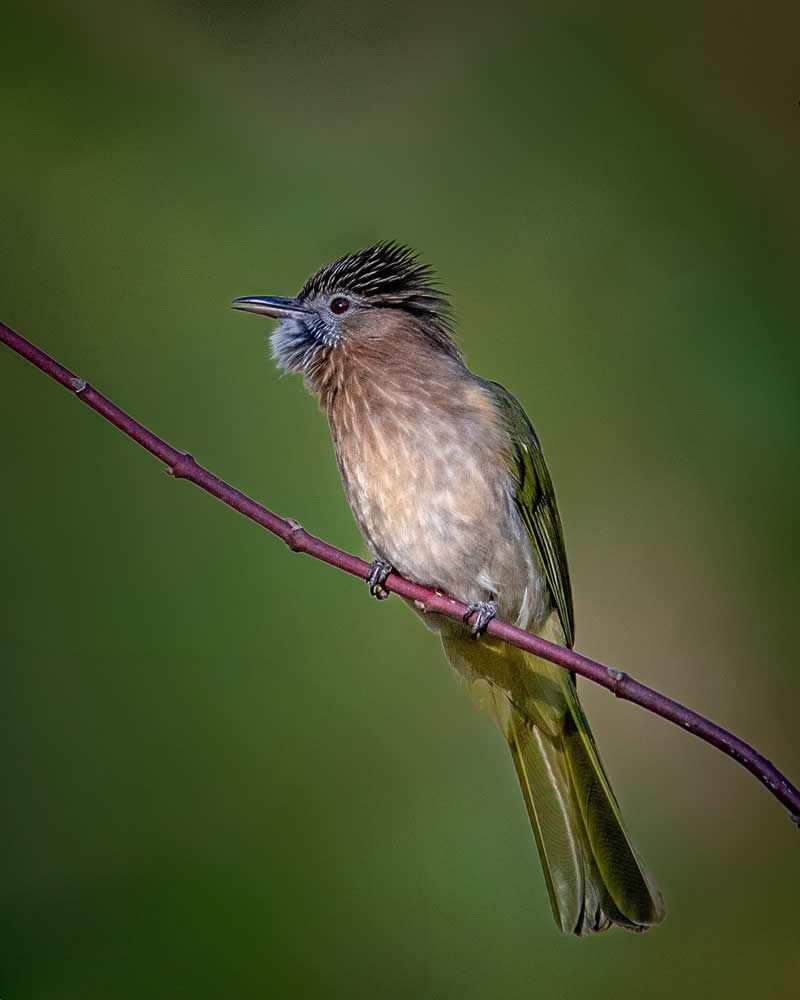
<point x="370" y="299"/>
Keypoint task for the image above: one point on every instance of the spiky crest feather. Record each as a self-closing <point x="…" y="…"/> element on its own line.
<point x="386" y="274"/>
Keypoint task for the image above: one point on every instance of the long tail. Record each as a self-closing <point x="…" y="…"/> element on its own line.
<point x="594" y="875"/>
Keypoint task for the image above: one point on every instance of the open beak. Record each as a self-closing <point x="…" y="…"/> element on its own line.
<point x="274" y="306"/>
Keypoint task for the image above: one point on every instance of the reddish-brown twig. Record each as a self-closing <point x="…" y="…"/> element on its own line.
<point x="183" y="466"/>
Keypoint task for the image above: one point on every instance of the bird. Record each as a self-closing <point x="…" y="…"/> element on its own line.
<point x="447" y="481"/>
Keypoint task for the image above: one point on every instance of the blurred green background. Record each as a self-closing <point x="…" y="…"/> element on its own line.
<point x="226" y="771"/>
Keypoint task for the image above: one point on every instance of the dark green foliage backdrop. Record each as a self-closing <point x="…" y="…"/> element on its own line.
<point x="228" y="773"/>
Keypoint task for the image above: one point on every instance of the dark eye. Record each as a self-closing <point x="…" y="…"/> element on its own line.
<point x="340" y="305"/>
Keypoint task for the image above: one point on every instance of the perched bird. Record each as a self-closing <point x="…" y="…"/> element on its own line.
<point x="446" y="478"/>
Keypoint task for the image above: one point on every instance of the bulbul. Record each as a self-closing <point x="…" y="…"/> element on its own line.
<point x="446" y="478"/>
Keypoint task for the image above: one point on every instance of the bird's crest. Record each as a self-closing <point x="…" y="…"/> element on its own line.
<point x="386" y="274"/>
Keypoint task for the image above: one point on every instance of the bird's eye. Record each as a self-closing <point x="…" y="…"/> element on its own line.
<point x="340" y="305"/>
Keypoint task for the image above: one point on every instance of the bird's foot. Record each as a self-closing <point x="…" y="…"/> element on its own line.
<point x="484" y="611"/>
<point x="379" y="569"/>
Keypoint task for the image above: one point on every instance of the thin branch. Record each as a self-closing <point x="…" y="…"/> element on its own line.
<point x="183" y="466"/>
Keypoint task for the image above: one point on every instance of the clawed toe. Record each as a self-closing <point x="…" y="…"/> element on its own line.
<point x="484" y="611"/>
<point x="379" y="570"/>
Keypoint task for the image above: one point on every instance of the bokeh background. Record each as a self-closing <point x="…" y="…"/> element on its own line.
<point x="226" y="772"/>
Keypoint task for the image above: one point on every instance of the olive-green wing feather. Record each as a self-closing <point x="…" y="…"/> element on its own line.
<point x="536" y="503"/>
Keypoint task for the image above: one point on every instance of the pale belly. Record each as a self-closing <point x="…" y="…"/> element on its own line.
<point x="444" y="520"/>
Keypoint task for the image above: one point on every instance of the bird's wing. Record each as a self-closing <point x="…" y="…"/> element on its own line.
<point x="536" y="502"/>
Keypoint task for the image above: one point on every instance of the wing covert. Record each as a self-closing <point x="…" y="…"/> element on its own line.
<point x="536" y="503"/>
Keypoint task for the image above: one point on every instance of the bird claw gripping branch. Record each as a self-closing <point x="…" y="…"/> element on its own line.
<point x="484" y="612"/>
<point x="379" y="570"/>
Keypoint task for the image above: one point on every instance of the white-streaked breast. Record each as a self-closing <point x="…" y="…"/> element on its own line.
<point x="431" y="493"/>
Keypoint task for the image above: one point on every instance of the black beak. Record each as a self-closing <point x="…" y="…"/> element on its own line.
<point x="274" y="306"/>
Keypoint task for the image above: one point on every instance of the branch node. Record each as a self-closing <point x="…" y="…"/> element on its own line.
<point x="78" y="384"/>
<point x="618" y="677"/>
<point x="292" y="538"/>
<point x="181" y="468"/>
